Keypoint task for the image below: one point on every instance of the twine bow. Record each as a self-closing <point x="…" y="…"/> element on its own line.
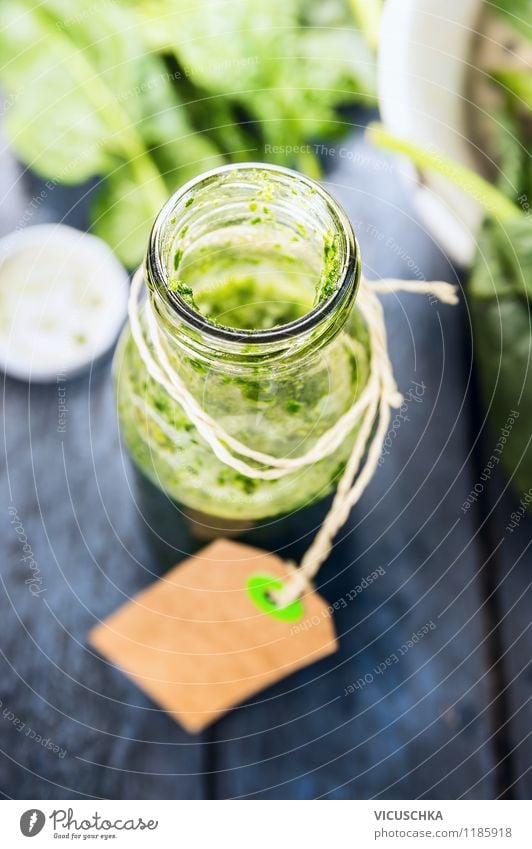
<point x="371" y="411"/>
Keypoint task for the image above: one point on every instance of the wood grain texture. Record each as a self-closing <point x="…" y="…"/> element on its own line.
<point x="71" y="495"/>
<point x="418" y="726"/>
<point x="508" y="558"/>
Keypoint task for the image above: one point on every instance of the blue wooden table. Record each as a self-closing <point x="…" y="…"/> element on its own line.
<point x="449" y="718"/>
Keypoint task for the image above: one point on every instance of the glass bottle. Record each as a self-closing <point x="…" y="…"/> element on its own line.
<point x="251" y="273"/>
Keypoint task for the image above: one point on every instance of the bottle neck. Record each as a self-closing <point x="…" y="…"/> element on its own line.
<point x="277" y="240"/>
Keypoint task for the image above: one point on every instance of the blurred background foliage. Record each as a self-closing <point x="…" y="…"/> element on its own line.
<point x="138" y="96"/>
<point x="145" y="94"/>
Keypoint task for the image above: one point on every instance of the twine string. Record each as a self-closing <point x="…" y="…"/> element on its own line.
<point x="371" y="411"/>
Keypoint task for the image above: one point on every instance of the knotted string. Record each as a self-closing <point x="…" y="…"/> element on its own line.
<point x="371" y="411"/>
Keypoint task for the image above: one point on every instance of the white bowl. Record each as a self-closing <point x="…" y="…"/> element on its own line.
<point x="63" y="300"/>
<point x="424" y="62"/>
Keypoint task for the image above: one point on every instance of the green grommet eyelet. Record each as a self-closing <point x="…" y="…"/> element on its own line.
<point x="258" y="587"/>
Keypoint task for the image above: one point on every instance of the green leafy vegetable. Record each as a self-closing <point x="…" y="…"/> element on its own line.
<point x="504" y="266"/>
<point x="518" y="13"/>
<point x="499" y="294"/>
<point x="67" y="119"/>
<point x="81" y="115"/>
<point x="499" y="300"/>
<point x="144" y="95"/>
<point x="280" y="68"/>
<point x="500" y="287"/>
<point x="518" y="84"/>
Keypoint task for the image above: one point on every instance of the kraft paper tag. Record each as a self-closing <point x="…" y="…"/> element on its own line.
<point x="206" y="636"/>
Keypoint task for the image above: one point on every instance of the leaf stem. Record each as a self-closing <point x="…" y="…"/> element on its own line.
<point x="107" y="104"/>
<point x="367" y="14"/>
<point x="493" y="201"/>
<point x="309" y="164"/>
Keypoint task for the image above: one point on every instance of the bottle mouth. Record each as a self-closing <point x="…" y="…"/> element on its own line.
<point x="257" y="210"/>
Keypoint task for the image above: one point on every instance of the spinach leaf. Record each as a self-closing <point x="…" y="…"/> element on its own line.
<point x="517" y="12"/>
<point x="144" y="94"/>
<point x="513" y="158"/>
<point x="502" y="334"/>
<point x="121" y="216"/>
<point x="282" y="69"/>
<point x="499" y="293"/>
<point x="518" y="84"/>
<point x="177" y="149"/>
<point x="77" y="116"/>
<point x="504" y="260"/>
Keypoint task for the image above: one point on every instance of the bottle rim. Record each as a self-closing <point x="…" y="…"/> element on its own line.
<point x="347" y="280"/>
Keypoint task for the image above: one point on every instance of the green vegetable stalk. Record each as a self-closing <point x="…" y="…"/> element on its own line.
<point x="368" y="14"/>
<point x="498" y="294"/>
<point x="490" y="198"/>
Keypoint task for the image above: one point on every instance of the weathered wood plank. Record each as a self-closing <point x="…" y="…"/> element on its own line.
<point x="71" y="498"/>
<point x="509" y="582"/>
<point x="73" y="504"/>
<point x="422" y="727"/>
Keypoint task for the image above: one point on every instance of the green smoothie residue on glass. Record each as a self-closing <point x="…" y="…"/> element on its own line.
<point x="249" y="277"/>
<point x="252" y="292"/>
<point x="253" y="287"/>
<point x="331" y="268"/>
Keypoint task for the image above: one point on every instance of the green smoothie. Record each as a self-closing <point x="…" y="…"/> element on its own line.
<point x="247" y="276"/>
